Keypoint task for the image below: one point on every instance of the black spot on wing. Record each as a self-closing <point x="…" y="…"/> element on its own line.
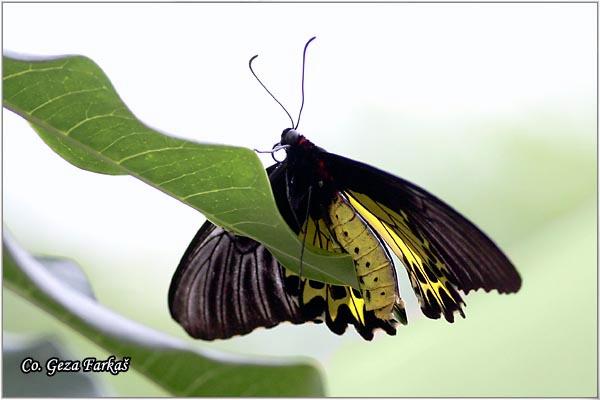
<point x="315" y="308"/>
<point x="455" y="297"/>
<point x="438" y="272"/>
<point x="339" y="325"/>
<point x="316" y="284"/>
<point x="432" y="277"/>
<point x="418" y="274"/>
<point x="431" y="308"/>
<point x="337" y="292"/>
<point x="446" y="300"/>
<point x="292" y="285"/>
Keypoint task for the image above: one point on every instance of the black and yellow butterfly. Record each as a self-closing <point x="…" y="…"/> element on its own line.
<point x="228" y="285"/>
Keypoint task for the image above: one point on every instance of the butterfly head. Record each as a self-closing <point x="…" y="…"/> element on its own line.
<point x="291" y="138"/>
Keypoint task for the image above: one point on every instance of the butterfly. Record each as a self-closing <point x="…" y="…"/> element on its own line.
<point x="228" y="285"/>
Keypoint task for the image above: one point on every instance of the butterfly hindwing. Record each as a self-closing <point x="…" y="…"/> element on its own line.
<point x="343" y="305"/>
<point x="229" y="285"/>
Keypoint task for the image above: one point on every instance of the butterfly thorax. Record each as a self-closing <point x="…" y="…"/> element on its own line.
<point x="302" y="153"/>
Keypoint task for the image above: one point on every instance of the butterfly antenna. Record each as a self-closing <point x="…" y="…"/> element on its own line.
<point x="268" y="91"/>
<point x="303" y="67"/>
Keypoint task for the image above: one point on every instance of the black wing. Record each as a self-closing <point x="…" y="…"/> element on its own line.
<point x="229" y="285"/>
<point x="471" y="259"/>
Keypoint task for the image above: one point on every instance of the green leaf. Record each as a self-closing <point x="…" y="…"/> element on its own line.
<point x="17" y="384"/>
<point x="74" y="108"/>
<point x="167" y="361"/>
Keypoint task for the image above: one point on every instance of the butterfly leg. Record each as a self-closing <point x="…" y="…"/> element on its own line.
<point x="289" y="198"/>
<point x="305" y="229"/>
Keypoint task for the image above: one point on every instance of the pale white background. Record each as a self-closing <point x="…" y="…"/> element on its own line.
<point x="384" y="84"/>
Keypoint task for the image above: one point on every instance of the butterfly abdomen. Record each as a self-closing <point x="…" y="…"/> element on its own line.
<point x="374" y="266"/>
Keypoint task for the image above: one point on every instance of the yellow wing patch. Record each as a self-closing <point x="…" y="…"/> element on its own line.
<point x="356" y="305"/>
<point x="318" y="235"/>
<point x="374" y="267"/>
<point x="333" y="296"/>
<point x="428" y="275"/>
<point x="377" y="305"/>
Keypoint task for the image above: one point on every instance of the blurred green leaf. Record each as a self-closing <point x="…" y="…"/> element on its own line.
<point x="69" y="273"/>
<point x="74" y="108"/>
<point x="168" y="362"/>
<point x="18" y="384"/>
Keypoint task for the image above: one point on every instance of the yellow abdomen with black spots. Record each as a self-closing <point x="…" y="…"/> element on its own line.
<point x="374" y="267"/>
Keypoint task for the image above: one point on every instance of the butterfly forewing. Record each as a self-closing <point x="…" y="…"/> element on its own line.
<point x="442" y="238"/>
<point x="428" y="275"/>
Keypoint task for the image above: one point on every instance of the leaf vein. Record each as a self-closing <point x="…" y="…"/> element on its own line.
<point x="121" y="138"/>
<point x="31" y="69"/>
<point x="84" y="121"/>
<point x="22" y="90"/>
<point x="217" y="191"/>
<point x="202" y="379"/>
<point x="193" y="172"/>
<point x="148" y="152"/>
<point x="65" y="95"/>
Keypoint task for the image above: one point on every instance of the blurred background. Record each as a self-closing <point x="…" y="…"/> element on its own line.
<point x="492" y="107"/>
